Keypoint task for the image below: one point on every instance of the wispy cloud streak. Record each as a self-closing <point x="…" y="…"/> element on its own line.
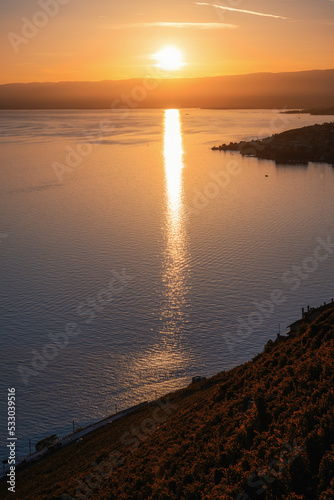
<point x="203" y="26"/>
<point x="241" y="10"/>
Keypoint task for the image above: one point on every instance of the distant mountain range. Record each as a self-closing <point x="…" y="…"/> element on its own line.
<point x="306" y="89"/>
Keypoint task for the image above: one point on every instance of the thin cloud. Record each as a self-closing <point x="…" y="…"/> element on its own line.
<point x="203" y="26"/>
<point x="241" y="10"/>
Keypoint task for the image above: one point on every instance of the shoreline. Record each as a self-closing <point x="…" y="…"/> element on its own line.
<point x="313" y="143"/>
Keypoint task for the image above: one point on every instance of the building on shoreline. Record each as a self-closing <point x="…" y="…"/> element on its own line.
<point x="309" y="315"/>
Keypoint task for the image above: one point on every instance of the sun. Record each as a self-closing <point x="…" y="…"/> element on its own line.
<point x="169" y="59"/>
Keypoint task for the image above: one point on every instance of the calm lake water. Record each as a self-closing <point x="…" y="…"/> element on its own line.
<point x="157" y="255"/>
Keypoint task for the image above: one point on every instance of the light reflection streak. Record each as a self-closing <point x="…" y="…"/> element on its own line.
<point x="174" y="273"/>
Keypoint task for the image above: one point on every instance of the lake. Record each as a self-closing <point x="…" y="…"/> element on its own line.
<point x="133" y="257"/>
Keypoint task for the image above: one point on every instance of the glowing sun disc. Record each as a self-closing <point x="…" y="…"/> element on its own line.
<point x="169" y="59"/>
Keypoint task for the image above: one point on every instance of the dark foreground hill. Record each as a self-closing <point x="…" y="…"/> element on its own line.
<point x="304" y="89"/>
<point x="314" y="143"/>
<point x="264" y="430"/>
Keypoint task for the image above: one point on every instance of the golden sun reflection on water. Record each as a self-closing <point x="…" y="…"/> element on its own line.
<point x="173" y="154"/>
<point x="174" y="273"/>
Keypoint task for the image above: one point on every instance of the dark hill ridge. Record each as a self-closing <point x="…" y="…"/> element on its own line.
<point x="264" y="430"/>
<point x="303" y="89"/>
<point x="314" y="143"/>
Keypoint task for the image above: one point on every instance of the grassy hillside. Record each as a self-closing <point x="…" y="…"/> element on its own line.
<point x="264" y="430"/>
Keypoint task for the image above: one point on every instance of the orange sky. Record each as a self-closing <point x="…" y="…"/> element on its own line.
<point x="115" y="39"/>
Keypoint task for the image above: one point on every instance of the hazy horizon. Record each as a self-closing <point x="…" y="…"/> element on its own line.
<point x="304" y="89"/>
<point x="171" y="77"/>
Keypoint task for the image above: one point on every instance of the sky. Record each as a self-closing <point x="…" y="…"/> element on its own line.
<point x="80" y="40"/>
